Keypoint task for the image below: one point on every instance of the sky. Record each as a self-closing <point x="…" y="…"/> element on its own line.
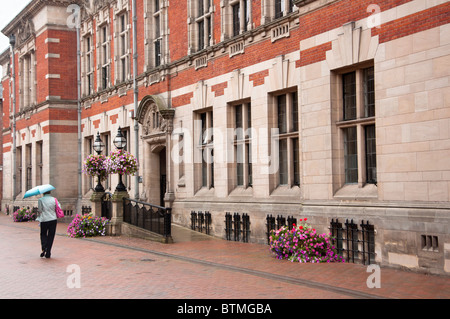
<point x="8" y="10"/>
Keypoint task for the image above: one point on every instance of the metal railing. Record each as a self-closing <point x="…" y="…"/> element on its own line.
<point x="280" y="222"/>
<point x="151" y="217"/>
<point x="201" y="221"/>
<point x="233" y="225"/>
<point x="356" y="244"/>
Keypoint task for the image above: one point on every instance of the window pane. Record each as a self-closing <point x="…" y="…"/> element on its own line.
<point x="279" y="8"/>
<point x="369" y="92"/>
<point x="371" y="154"/>
<point x="249" y="164"/>
<point x="349" y="95"/>
<point x="296" y="161"/>
<point x="350" y="155"/>
<point x="158" y="52"/>
<point x="295" y="111"/>
<point x="201" y="35"/>
<point x="204" y="168"/>
<point x="282" y="127"/>
<point x="238" y="118"/>
<point x="240" y="164"/>
<point x="283" y="169"/>
<point x="236" y="19"/>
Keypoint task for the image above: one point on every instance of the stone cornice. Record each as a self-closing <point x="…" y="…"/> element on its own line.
<point x="31" y="10"/>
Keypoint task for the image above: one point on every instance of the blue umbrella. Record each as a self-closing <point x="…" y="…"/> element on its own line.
<point x="41" y="189"/>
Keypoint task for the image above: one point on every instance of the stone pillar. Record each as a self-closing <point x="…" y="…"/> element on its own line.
<point x="96" y="199"/>
<point x="114" y="227"/>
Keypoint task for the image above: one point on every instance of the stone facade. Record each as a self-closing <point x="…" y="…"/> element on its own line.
<point x="319" y="109"/>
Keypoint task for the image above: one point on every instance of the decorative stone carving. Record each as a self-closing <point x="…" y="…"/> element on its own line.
<point x="25" y="31"/>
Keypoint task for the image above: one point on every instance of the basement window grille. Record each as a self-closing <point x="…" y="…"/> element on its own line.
<point x="353" y="243"/>
<point x="236" y="227"/>
<point x="201" y="221"/>
<point x="430" y="243"/>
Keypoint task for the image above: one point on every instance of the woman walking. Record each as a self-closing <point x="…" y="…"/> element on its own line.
<point x="48" y="220"/>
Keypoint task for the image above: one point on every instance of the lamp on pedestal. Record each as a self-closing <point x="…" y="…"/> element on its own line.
<point x="120" y="142"/>
<point x="98" y="147"/>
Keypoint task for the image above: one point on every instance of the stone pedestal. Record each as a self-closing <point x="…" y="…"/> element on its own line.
<point x="114" y="227"/>
<point x="96" y="200"/>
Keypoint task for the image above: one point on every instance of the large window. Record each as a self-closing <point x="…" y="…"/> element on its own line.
<point x="104" y="57"/>
<point x="123" y="48"/>
<point x="155" y="33"/>
<point x="242" y="144"/>
<point x="27" y="80"/>
<point x="358" y="126"/>
<point x="283" y="7"/>
<point x="236" y="17"/>
<point x="206" y="148"/>
<point x="288" y="147"/>
<point x="88" y="48"/>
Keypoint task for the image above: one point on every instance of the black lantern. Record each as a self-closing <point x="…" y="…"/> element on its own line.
<point x="98" y="147"/>
<point x="98" y="144"/>
<point x="120" y="142"/>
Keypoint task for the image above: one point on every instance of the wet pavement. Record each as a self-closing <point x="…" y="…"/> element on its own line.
<point x="195" y="266"/>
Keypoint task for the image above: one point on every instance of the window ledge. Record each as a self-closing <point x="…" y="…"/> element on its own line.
<point x="242" y="191"/>
<point x="354" y="192"/>
<point x="284" y="190"/>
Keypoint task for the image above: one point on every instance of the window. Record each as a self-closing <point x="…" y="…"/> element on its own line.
<point x="241" y="16"/>
<point x="357" y="126"/>
<point x="242" y="144"/>
<point x="88" y="66"/>
<point x="200" y="25"/>
<point x="27" y="80"/>
<point x="104" y="57"/>
<point x="123" y="52"/>
<point x="155" y="32"/>
<point x="18" y="170"/>
<point x="283" y="7"/>
<point x="205" y="145"/>
<point x="275" y="9"/>
<point x="289" y="147"/>
<point x="39" y="162"/>
<point x="29" y="167"/>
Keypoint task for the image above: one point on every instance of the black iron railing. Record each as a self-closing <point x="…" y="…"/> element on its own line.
<point x="201" y="221"/>
<point x="353" y="243"/>
<point x="280" y="222"/>
<point x="239" y="228"/>
<point x="151" y="217"/>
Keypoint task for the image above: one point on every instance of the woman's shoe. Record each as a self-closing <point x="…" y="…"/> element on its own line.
<point x="43" y="253"/>
<point x="47" y="255"/>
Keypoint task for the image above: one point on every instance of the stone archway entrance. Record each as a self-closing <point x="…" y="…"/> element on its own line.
<point x="157" y="125"/>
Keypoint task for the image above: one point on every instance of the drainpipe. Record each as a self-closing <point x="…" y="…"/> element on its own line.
<point x="136" y="125"/>
<point x="78" y="19"/>
<point x="12" y="42"/>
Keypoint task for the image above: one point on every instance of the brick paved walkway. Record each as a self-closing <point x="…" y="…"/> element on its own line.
<point x="194" y="267"/>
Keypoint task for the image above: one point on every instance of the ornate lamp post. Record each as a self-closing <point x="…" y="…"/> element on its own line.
<point x="98" y="147"/>
<point x="120" y="142"/>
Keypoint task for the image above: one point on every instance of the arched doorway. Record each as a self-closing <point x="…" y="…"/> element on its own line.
<point x="157" y="124"/>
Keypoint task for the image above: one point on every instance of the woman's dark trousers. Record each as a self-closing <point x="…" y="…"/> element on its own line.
<point x="48" y="230"/>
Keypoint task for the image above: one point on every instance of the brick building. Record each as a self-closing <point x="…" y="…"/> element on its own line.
<point x="326" y="109"/>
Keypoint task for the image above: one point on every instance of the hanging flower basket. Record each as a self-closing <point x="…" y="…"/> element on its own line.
<point x="95" y="166"/>
<point x="121" y="162"/>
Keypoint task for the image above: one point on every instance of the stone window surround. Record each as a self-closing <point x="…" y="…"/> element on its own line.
<point x="153" y="41"/>
<point x="122" y="43"/>
<point x="290" y="135"/>
<point x="242" y="140"/>
<point x="27" y="84"/>
<point x="88" y="64"/>
<point x="362" y="188"/>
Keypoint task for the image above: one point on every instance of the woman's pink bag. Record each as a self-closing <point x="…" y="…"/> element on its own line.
<point x="59" y="211"/>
